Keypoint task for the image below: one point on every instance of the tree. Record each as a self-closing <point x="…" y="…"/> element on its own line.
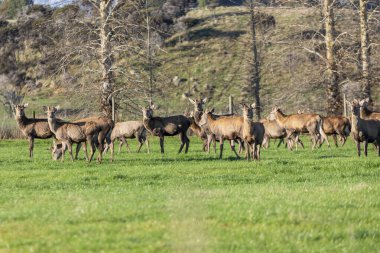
<point x="365" y="53"/>
<point x="334" y="101"/>
<point x="254" y="77"/>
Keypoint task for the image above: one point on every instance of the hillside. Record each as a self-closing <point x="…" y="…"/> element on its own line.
<point x="211" y="57"/>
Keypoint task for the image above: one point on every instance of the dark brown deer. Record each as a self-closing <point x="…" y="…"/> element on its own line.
<point x="253" y="133"/>
<point x="364" y="130"/>
<point x="366" y="113"/>
<point x="167" y="126"/>
<point x="32" y="128"/>
<point x="301" y="123"/>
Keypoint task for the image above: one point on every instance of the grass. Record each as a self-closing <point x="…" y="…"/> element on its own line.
<point x="322" y="201"/>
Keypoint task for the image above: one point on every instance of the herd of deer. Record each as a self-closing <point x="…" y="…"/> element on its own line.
<point x="101" y="132"/>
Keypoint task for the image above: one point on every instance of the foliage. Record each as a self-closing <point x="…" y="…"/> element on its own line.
<point x="326" y="200"/>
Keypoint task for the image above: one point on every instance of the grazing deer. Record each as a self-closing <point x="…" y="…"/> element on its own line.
<point x="128" y="130"/>
<point x="68" y="133"/>
<point x="301" y="123"/>
<point x="167" y="126"/>
<point x="32" y="128"/>
<point x="362" y="130"/>
<point x="223" y="128"/>
<point x="366" y="113"/>
<point x="198" y="112"/>
<point x="253" y="133"/>
<point x="104" y="126"/>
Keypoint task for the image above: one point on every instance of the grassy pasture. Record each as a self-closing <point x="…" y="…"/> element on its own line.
<point x="322" y="201"/>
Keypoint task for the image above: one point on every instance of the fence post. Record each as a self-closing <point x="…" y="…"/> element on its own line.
<point x="113" y="109"/>
<point x="34" y="114"/>
<point x="231" y="105"/>
<point x="344" y="106"/>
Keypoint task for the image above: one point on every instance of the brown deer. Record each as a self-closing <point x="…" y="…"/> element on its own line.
<point x="253" y="133"/>
<point x="362" y="130"/>
<point x="68" y="133"/>
<point x="198" y="131"/>
<point x="336" y="125"/>
<point x="301" y="123"/>
<point x="366" y="113"/>
<point x="198" y="112"/>
<point x="223" y="128"/>
<point x="128" y="130"/>
<point x="32" y="128"/>
<point x="167" y="126"/>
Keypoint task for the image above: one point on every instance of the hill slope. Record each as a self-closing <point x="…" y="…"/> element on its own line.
<point x="211" y="58"/>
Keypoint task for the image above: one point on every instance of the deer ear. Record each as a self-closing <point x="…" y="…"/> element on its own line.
<point x="191" y="101"/>
<point x="26" y="105"/>
<point x="57" y="107"/>
<point x="355" y="101"/>
<point x="204" y="100"/>
<point x="366" y="100"/>
<point x="212" y="110"/>
<point x="253" y="105"/>
<point x="153" y="106"/>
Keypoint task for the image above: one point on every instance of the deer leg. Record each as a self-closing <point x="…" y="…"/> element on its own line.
<point x="232" y="145"/>
<point x="126" y="144"/>
<point x="247" y="151"/>
<point x="120" y="145"/>
<point x="77" y="149"/>
<point x="92" y="147"/>
<point x="162" y="143"/>
<point x="182" y="138"/>
<point x="358" y="147"/>
<point x="221" y="140"/>
<point x="258" y="152"/>
<point x="335" y="138"/>
<point x="112" y="148"/>
<point x="280" y="142"/>
<point x="214" y="142"/>
<point x="84" y="150"/>
<point x="366" y="147"/>
<point x="141" y="142"/>
<point x="147" y="144"/>
<point x="70" y="148"/>
<point x="31" y="146"/>
<point x="187" y="143"/>
<point x="209" y="140"/>
<point x="64" y="146"/>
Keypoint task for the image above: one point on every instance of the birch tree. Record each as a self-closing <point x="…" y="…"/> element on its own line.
<point x="365" y="55"/>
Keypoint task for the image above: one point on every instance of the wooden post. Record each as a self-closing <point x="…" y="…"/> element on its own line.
<point x="344" y="106"/>
<point x="34" y="114"/>
<point x="113" y="109"/>
<point x="230" y="105"/>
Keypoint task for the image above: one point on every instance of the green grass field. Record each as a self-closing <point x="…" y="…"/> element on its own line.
<point x="322" y="201"/>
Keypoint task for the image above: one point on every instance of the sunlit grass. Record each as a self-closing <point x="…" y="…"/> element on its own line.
<point x="322" y="201"/>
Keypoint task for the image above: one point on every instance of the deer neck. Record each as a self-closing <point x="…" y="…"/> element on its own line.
<point x="280" y="118"/>
<point x="365" y="112"/>
<point x="53" y="124"/>
<point x="354" y="123"/>
<point x="197" y="116"/>
<point x="21" y="120"/>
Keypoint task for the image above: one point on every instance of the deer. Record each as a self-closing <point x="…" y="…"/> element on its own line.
<point x="364" y="130"/>
<point x="253" y="133"/>
<point x="166" y="126"/>
<point x="128" y="130"/>
<point x="301" y="123"/>
<point x="198" y="131"/>
<point x="32" y="128"/>
<point x="198" y="112"/>
<point x="68" y="133"/>
<point x="366" y="113"/>
<point x="274" y="131"/>
<point x="104" y="125"/>
<point x="336" y="125"/>
<point x="223" y="128"/>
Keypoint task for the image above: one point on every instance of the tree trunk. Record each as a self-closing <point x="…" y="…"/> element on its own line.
<point x="255" y="70"/>
<point x="366" y="67"/>
<point x="334" y="101"/>
<point x="106" y="87"/>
